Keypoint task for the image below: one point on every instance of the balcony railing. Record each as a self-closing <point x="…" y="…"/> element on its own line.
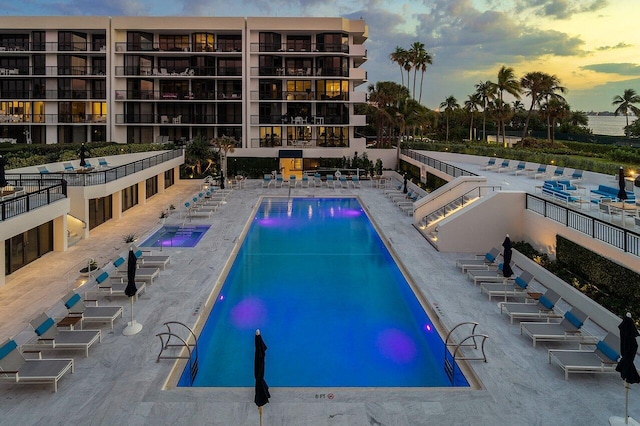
<point x="299" y="71"/>
<point x="300" y="47"/>
<point x="306" y="95"/>
<point x="623" y="239"/>
<point x="286" y="120"/>
<point x="437" y="164"/>
<point x="100" y="177"/>
<point x="276" y="142"/>
<point x="52" y="118"/>
<point x="30" y="193"/>
<point x="52" y="46"/>
<point x="179" y="72"/>
<point x="178" y="48"/>
<point x="156" y="95"/>
<point x="172" y="120"/>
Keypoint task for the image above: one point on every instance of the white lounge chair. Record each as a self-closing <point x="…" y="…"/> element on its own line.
<point x="542" y="309"/>
<point x="147" y="259"/>
<point x="517" y="287"/>
<point x="570" y="328"/>
<point x="115" y="286"/>
<point x="49" y="337"/>
<point x="14" y="368"/>
<point x="76" y="308"/>
<point x="602" y="359"/>
<point x="266" y="181"/>
<point x="488" y="275"/>
<point x="491" y="164"/>
<point x="480" y="261"/>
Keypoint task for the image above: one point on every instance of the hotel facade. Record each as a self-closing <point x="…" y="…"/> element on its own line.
<point x="282" y="88"/>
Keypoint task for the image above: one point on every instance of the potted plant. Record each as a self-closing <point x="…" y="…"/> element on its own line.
<point x="92" y="265"/>
<point x="129" y="238"/>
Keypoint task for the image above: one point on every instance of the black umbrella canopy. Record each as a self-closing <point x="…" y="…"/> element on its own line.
<point x="404" y="189"/>
<point x="3" y="179"/>
<point x="262" y="389"/>
<point x="506" y="255"/>
<point x="628" y="349"/>
<point x="622" y="193"/>
<point x="131" y="288"/>
<point x="83" y="154"/>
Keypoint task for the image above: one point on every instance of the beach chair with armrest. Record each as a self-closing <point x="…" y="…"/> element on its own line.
<point x="49" y="337"/>
<point x="102" y="163"/>
<point x="491" y="164"/>
<point x="68" y="167"/>
<point x="576" y="176"/>
<point x="343" y="182"/>
<point x="603" y="358"/>
<point x="330" y="182"/>
<point x="569" y="329"/>
<point x="143" y="273"/>
<point x="317" y="180"/>
<point x="541" y="172"/>
<point x="43" y="170"/>
<point x="304" y="182"/>
<point x="147" y="259"/>
<point x="14" y="368"/>
<point x="115" y="286"/>
<point x="520" y="168"/>
<point x="355" y="181"/>
<point x="266" y="180"/>
<point x="76" y="307"/>
<point x="517" y="287"/>
<point x="504" y="166"/>
<point x="480" y="261"/>
<point x="542" y="309"/>
<point x="489" y="275"/>
<point x="558" y="173"/>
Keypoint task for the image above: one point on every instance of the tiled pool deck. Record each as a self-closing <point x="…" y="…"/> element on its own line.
<point x="121" y="383"/>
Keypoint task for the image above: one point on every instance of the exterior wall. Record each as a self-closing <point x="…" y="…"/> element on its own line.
<point x="484" y="224"/>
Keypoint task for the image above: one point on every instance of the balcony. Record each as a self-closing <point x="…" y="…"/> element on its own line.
<point x="179" y="49"/>
<point x="157" y="95"/>
<point x="321" y="142"/>
<point x="8" y="119"/>
<point x="173" y="119"/>
<point x="299" y="47"/>
<point x="52" y="46"/>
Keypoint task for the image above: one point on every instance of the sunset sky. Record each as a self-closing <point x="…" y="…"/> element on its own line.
<point x="591" y="45"/>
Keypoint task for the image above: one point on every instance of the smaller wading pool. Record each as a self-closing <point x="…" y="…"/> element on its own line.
<point x="176" y="236"/>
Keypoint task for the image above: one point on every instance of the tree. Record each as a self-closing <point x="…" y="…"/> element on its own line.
<point x="424" y="60"/>
<point x="486" y="91"/>
<point x="385" y="97"/>
<point x="224" y="145"/>
<point x="416" y="53"/>
<point x="471" y="106"/>
<point x="399" y="56"/>
<point x="555" y="109"/>
<point x="501" y="113"/>
<point x="448" y="106"/>
<point x="625" y="105"/>
<point x="508" y="82"/>
<point x="197" y="153"/>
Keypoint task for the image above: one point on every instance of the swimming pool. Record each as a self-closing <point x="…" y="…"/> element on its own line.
<point x="333" y="307"/>
<point x="176" y="236"/>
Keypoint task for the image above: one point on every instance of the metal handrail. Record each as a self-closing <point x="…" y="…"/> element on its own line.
<point x="614" y="235"/>
<point x="450" y="364"/>
<point x="437" y="164"/>
<point x="165" y="339"/>
<point x="461" y="200"/>
<point x="32" y="199"/>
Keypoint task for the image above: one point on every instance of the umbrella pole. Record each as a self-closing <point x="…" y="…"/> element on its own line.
<point x="626" y="402"/>
<point x="133" y="327"/>
<point x="260" y="411"/>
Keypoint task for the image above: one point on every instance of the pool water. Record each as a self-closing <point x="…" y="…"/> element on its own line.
<point x="176" y="236"/>
<point x="332" y="305"/>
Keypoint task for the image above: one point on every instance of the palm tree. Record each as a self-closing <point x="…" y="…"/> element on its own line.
<point x="508" y="82"/>
<point x="399" y="56"/>
<point x="486" y="91"/>
<point x="533" y="84"/>
<point x="385" y="97"/>
<point x="224" y="145"/>
<point x="501" y="112"/>
<point x="555" y="109"/>
<point x="471" y="106"/>
<point x="577" y="118"/>
<point x="416" y="55"/>
<point x="424" y="60"/>
<point x="449" y="105"/>
<point x="625" y="104"/>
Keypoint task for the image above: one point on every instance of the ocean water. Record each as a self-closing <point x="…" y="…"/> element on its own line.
<point x="608" y="124"/>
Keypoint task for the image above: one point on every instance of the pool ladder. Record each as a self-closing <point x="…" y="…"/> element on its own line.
<point x="192" y="348"/>
<point x="472" y="340"/>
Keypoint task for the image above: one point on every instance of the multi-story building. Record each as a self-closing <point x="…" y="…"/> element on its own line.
<point x="280" y="87"/>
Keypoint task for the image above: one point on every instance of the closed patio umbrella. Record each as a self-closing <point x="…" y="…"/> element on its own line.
<point x="506" y="255"/>
<point x="262" y="389"/>
<point x="133" y="326"/>
<point x="626" y="368"/>
<point x="622" y="193"/>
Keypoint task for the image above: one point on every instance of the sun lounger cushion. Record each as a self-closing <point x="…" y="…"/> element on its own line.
<point x="72" y="301"/>
<point x="574" y="320"/>
<point x="544" y="301"/>
<point x="119" y="261"/>
<point x="103" y="276"/>
<point x="610" y="352"/>
<point x="7" y="348"/>
<point x="42" y="328"/>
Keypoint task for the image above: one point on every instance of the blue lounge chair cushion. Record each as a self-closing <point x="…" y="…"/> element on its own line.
<point x="119" y="261"/>
<point x="520" y="282"/>
<point x="42" y="328"/>
<point x="611" y="353"/>
<point x="490" y="257"/>
<point x="573" y="319"/>
<point x="103" y="276"/>
<point x="7" y="348"/>
<point x="544" y="301"/>
<point x="138" y="254"/>
<point x="72" y="301"/>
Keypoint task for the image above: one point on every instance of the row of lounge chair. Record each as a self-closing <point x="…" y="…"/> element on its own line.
<point x="69" y="168"/>
<point x="315" y="181"/>
<point x="49" y="335"/>
<point x="205" y="203"/>
<point x="541" y="172"/>
<point x="540" y="317"/>
<point x="403" y="200"/>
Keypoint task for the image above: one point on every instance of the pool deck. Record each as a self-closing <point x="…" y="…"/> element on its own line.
<point x="121" y="383"/>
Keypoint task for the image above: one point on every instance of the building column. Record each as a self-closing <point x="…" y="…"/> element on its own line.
<point x="60" y="241"/>
<point x="161" y="183"/>
<point x="116" y="205"/>
<point x="142" y="192"/>
<point x="3" y="270"/>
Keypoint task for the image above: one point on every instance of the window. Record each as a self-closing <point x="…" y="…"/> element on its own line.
<point x="39" y="65"/>
<point x="24" y="248"/>
<point x="332" y="90"/>
<point x="334" y="66"/>
<point x="14" y="89"/>
<point x="298" y="90"/>
<point x="15" y="41"/>
<point x="151" y="186"/>
<point x="39" y="88"/>
<point x="270" y="89"/>
<point x="21" y="64"/>
<point x="230" y="113"/>
<point x="203" y="42"/>
<point x="98" y="65"/>
<point x="129" y="197"/>
<point x="98" y="89"/>
<point x="230" y="66"/>
<point x="99" y="42"/>
<point x="332" y="42"/>
<point x="229" y="43"/>
<point x="100" y="211"/>
<point x="139" y="41"/>
<point x="270" y="65"/>
<point x="138" y="65"/>
<point x="72" y="41"/>
<point x="299" y="43"/>
<point x="169" y="178"/>
<point x="270" y="136"/>
<point x="174" y="65"/>
<point x="38" y="40"/>
<point x="72" y="65"/>
<point x="173" y="42"/>
<point x="270" y="42"/>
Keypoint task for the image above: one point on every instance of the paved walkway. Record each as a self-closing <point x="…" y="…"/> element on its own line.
<point x="120" y="382"/>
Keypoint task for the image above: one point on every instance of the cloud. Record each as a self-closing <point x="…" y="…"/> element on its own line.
<point x="559" y="9"/>
<point x="620" y="45"/>
<point x="628" y="69"/>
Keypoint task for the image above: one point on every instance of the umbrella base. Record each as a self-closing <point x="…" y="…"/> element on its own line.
<point x="133" y="327"/>
<point x="619" y="421"/>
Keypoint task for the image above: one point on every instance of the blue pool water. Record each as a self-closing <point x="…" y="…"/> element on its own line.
<point x="176" y="236"/>
<point x="332" y="305"/>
